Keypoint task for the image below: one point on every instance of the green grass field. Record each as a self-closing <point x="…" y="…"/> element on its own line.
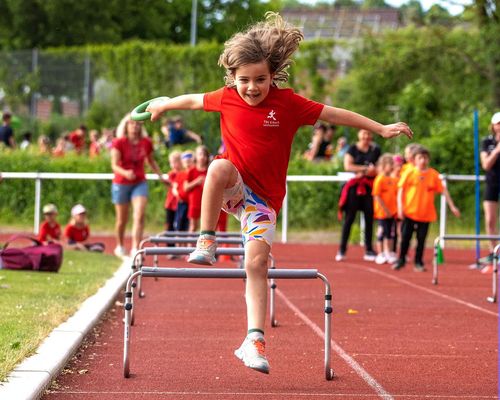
<point x="32" y="304"/>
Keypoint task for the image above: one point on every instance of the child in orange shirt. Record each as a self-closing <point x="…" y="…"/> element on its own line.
<point x="385" y="188"/>
<point x="194" y="186"/>
<point x="416" y="190"/>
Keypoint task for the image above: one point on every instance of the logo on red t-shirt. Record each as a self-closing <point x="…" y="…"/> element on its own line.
<point x="271" y="121"/>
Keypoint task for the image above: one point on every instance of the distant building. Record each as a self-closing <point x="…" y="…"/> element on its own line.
<point x="342" y="22"/>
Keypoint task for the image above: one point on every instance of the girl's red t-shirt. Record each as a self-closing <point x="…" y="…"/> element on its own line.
<point x="48" y="232"/>
<point x="194" y="195"/>
<point x="171" y="200"/>
<point x="258" y="139"/>
<point x="76" y="234"/>
<point x="132" y="157"/>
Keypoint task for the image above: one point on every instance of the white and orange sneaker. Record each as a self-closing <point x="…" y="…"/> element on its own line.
<point x="252" y="353"/>
<point x="204" y="254"/>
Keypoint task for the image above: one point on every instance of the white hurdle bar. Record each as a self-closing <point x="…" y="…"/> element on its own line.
<point x="188" y="234"/>
<point x="494" y="283"/>
<point x="491" y="299"/>
<point x="225" y="274"/>
<point x="138" y="261"/>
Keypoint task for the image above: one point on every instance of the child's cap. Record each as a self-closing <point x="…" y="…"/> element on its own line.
<point x="397" y="159"/>
<point x="186" y="155"/>
<point x="496" y="118"/>
<point x="78" y="209"/>
<point x="49" y="209"/>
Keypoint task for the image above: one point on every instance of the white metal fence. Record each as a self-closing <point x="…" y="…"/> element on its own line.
<point x="38" y="177"/>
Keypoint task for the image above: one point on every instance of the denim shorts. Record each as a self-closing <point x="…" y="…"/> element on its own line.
<point x="257" y="218"/>
<point x="123" y="193"/>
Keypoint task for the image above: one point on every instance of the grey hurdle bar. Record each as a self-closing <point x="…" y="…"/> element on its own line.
<point x="468" y="237"/>
<point x="225" y="274"/>
<point x="189" y="234"/>
<point x="494" y="295"/>
<point x="223" y="251"/>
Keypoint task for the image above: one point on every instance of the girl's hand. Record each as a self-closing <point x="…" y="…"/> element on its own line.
<point x="156" y="108"/>
<point x="395" y="130"/>
<point x="455" y="211"/>
<point x="129" y="174"/>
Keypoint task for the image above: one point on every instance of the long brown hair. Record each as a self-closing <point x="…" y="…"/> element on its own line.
<point x="272" y="40"/>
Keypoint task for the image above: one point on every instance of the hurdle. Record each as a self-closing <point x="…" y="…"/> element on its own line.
<point x="233" y="273"/>
<point x="494" y="282"/>
<point x="456" y="237"/>
<point x="185" y="233"/>
<point x="228" y="251"/>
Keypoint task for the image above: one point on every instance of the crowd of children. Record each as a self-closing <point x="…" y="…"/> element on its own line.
<point x="403" y="197"/>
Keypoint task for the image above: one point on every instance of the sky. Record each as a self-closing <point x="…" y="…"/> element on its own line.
<point x="453" y="6"/>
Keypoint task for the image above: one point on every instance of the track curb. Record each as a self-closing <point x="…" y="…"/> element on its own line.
<point x="29" y="379"/>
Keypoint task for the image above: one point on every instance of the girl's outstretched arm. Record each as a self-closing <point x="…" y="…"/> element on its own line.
<point x="183" y="102"/>
<point x="339" y="116"/>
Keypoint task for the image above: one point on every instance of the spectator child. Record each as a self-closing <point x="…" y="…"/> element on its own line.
<point x="178" y="134"/>
<point x="416" y="190"/>
<point x="181" y="215"/>
<point x="43" y="144"/>
<point x="6" y="132"/>
<point x="171" y="200"/>
<point x="60" y="149"/>
<point x="50" y="230"/>
<point x="409" y="156"/>
<point x="258" y="124"/>
<point x="396" y="173"/>
<point x="385" y="188"/>
<point x="94" y="146"/>
<point x="77" y="138"/>
<point x="77" y="231"/>
<point x="26" y="142"/>
<point x="194" y="186"/>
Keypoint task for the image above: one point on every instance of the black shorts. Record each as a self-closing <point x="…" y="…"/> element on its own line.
<point x="388" y="230"/>
<point x="492" y="192"/>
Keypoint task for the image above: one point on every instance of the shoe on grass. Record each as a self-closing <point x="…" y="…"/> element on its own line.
<point x="252" y="353"/>
<point x="204" y="254"/>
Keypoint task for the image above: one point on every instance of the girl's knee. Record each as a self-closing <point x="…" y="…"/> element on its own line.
<point x="257" y="266"/>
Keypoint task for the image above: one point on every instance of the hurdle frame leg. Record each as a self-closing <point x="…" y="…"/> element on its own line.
<point x="272" y="295"/>
<point x="329" y="374"/>
<point x="435" y="261"/>
<point x="128" y="306"/>
<point x="494" y="283"/>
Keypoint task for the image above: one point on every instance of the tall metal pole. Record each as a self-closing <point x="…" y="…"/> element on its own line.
<point x="477" y="189"/>
<point x="194" y="18"/>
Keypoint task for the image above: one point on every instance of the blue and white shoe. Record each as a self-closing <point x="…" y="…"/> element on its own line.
<point x="204" y="254"/>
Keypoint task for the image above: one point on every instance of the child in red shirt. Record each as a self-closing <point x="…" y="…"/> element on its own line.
<point x="194" y="186"/>
<point x="385" y="189"/>
<point x="258" y="124"/>
<point x="171" y="200"/>
<point x="50" y="230"/>
<point x="77" y="232"/>
<point x="181" y="214"/>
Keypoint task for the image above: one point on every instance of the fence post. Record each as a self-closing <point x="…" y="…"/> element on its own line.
<point x="284" y="217"/>
<point x="38" y="196"/>
<point x="442" y="213"/>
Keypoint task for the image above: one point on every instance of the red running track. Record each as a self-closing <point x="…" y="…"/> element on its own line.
<point x="403" y="338"/>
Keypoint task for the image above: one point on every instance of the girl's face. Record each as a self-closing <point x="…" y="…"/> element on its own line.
<point x="253" y="82"/>
<point x="201" y="157"/>
<point x="365" y="137"/>
<point x="133" y="129"/>
<point x="175" y="163"/>
<point x="496" y="129"/>
<point x="50" y="217"/>
<point x="387" y="168"/>
<point x="421" y="161"/>
<point x="80" y="218"/>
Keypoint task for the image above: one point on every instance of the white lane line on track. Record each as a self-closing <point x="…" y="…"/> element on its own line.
<point x="424" y="289"/>
<point x="274" y="394"/>
<point x="370" y="380"/>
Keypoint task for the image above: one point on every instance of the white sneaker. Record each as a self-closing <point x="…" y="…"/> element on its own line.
<point x="119" y="251"/>
<point x="391" y="258"/>
<point x="204" y="254"/>
<point x="133" y="251"/>
<point x="340" y="256"/>
<point x="380" y="259"/>
<point x="369" y="256"/>
<point x="252" y="353"/>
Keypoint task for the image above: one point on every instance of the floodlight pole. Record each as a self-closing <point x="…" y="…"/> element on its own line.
<point x="194" y="10"/>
